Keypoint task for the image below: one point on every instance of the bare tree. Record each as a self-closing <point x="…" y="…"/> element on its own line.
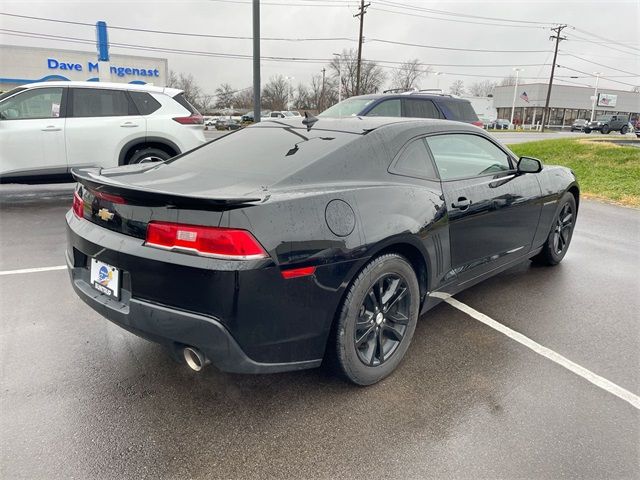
<point x="302" y="97"/>
<point x="172" y="79"/>
<point x="205" y="103"/>
<point x="371" y="74"/>
<point x="275" y="93"/>
<point x="483" y="88"/>
<point x="243" y="98"/>
<point x="508" y="81"/>
<point x="321" y="98"/>
<point x="225" y="94"/>
<point x="457" y="88"/>
<point x="407" y="75"/>
<point x="192" y="91"/>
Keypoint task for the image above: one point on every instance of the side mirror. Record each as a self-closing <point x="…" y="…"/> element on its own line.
<point x="529" y="165"/>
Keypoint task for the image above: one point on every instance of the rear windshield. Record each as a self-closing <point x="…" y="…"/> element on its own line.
<point x="462" y="111"/>
<point x="185" y="103"/>
<point x="264" y="150"/>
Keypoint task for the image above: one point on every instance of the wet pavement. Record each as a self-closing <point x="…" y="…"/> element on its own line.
<point x="82" y="398"/>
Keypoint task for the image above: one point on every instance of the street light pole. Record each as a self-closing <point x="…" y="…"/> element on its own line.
<point x="437" y="74"/>
<point x="595" y="95"/>
<point x="515" y="92"/>
<point x="256" y="61"/>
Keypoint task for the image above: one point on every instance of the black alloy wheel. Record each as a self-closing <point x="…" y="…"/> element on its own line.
<point x="377" y="319"/>
<point x="557" y="244"/>
<point x="382" y="320"/>
<point x="563" y="228"/>
<point x="605" y="129"/>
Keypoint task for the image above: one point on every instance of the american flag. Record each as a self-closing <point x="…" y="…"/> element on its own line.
<point x="525" y="97"/>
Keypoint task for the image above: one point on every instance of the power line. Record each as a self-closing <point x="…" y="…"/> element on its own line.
<point x="182" y="34"/>
<point x="475" y="50"/>
<point x="458" y="14"/>
<point x="600" y="64"/>
<point x="621" y="44"/>
<point x="450" y="19"/>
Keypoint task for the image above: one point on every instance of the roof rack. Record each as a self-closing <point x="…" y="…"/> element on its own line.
<point x="397" y="90"/>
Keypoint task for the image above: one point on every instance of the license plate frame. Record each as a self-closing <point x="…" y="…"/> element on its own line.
<point x="105" y="278"/>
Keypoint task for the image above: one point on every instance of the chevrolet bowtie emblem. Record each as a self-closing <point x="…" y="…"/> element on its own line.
<point x="105" y="214"/>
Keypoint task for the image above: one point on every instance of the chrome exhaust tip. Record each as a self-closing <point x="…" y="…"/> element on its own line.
<point x="194" y="358"/>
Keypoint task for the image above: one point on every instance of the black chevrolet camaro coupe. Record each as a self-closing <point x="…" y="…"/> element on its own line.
<point x="293" y="241"/>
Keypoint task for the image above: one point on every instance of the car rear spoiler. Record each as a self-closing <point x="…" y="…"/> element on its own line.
<point x="92" y="179"/>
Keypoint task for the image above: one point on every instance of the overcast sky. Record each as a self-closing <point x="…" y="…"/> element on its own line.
<point x="618" y="21"/>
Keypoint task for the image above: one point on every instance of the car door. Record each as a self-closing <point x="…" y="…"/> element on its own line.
<point x="100" y="123"/>
<point x="493" y="211"/>
<point x="32" y="131"/>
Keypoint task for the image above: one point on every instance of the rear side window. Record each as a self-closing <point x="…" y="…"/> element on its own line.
<point x="33" y="103"/>
<point x="144" y="102"/>
<point x="185" y="103"/>
<point x="464" y="155"/>
<point x="462" y="111"/>
<point x="417" y="108"/>
<point x="99" y="102"/>
<point x="414" y="161"/>
<point x="386" y="108"/>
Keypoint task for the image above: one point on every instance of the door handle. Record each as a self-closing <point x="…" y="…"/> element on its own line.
<point x="51" y="128"/>
<point x="462" y="203"/>
<point x="128" y="125"/>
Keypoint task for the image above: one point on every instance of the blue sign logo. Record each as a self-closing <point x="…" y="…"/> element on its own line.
<point x="55" y="64"/>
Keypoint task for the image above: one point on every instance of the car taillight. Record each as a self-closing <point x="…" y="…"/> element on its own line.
<point x="195" y="119"/>
<point x="218" y="242"/>
<point x="478" y="124"/>
<point x="78" y="205"/>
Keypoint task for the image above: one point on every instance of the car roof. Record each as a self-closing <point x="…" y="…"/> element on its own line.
<point x="364" y="124"/>
<point x="412" y="94"/>
<point x="109" y="85"/>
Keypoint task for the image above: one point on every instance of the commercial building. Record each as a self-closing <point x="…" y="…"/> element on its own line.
<point x="567" y="103"/>
<point x="20" y="65"/>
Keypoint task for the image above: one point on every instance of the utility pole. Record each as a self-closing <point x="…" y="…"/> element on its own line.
<point x="322" y="94"/>
<point x="256" y="61"/>
<point x="595" y="96"/>
<point x="362" y="11"/>
<point x="558" y="39"/>
<point x="339" y="55"/>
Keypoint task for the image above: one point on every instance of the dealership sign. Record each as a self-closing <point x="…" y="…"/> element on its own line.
<point x="607" y="100"/>
<point x="55" y="64"/>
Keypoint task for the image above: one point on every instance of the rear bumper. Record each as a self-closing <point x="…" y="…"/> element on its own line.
<point x="175" y="328"/>
<point x="244" y="318"/>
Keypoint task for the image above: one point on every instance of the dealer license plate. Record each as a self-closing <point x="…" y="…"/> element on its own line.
<point x="105" y="278"/>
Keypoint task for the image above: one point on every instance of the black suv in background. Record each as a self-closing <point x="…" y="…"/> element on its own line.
<point x="608" y="123"/>
<point x="408" y="104"/>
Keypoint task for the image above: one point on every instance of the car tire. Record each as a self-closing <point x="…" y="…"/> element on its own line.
<point x="624" y="130"/>
<point x="149" y="155"/>
<point x="376" y="321"/>
<point x="559" y="239"/>
<point x="605" y="130"/>
<point x="587" y="130"/>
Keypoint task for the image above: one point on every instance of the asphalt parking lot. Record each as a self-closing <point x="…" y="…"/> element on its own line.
<point x="82" y="398"/>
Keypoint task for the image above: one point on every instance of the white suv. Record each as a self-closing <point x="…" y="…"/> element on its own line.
<point x="48" y="128"/>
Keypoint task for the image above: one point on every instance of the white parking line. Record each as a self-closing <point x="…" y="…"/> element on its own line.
<point x="33" y="270"/>
<point x="588" y="375"/>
